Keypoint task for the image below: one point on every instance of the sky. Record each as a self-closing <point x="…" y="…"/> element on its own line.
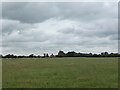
<point x="47" y="27"/>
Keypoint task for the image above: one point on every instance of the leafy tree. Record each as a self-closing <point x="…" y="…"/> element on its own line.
<point x="52" y="55"/>
<point x="31" y="55"/>
<point x="61" y="54"/>
<point x="71" y="54"/>
<point x="47" y="55"/>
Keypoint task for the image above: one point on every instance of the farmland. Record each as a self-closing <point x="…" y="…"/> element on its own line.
<point x="67" y="72"/>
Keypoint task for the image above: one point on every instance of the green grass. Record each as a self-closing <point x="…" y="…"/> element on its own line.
<point x="60" y="73"/>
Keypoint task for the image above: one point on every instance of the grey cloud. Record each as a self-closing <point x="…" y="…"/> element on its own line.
<point x="100" y="28"/>
<point x="114" y="37"/>
<point x="29" y="12"/>
<point x="9" y="26"/>
<point x="49" y="27"/>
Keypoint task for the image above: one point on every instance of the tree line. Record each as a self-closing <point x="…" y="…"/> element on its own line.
<point x="74" y="54"/>
<point x="63" y="54"/>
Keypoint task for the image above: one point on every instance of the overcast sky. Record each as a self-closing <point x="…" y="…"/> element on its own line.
<point x="49" y="27"/>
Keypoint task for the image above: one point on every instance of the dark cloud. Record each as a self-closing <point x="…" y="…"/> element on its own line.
<point x="38" y="12"/>
<point x="29" y="12"/>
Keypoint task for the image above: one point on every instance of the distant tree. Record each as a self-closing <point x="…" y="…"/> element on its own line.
<point x="47" y="55"/>
<point x="38" y="56"/>
<point x="90" y="53"/>
<point x="9" y="56"/>
<point x="61" y="54"/>
<point x="71" y="54"/>
<point x="31" y="55"/>
<point x="51" y="55"/>
<point x="95" y="55"/>
<point x="44" y="55"/>
<point x="104" y="54"/>
<point x="80" y="54"/>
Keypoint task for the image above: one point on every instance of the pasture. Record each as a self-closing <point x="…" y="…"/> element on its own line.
<point x="77" y="72"/>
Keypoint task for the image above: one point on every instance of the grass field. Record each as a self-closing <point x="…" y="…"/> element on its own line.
<point x="60" y="73"/>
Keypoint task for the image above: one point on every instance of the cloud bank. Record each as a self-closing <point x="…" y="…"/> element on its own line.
<point x="30" y="27"/>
